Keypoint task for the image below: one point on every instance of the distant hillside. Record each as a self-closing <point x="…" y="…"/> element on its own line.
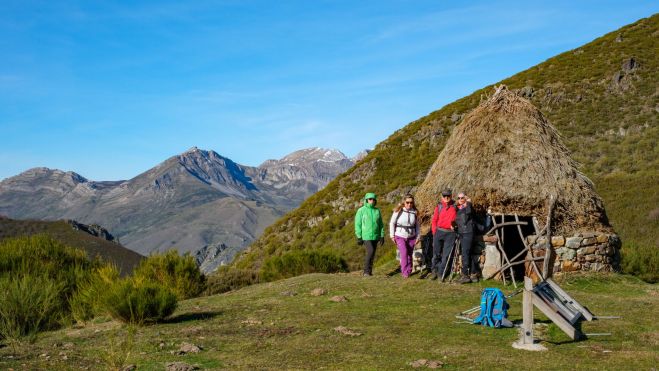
<point x="75" y="236"/>
<point x="602" y="97"/>
<point x="198" y="201"/>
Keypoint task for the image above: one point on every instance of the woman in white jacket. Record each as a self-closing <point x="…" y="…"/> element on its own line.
<point x="404" y="231"/>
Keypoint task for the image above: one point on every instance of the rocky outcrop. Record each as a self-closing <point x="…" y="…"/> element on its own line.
<point x="210" y="257"/>
<point x="623" y="80"/>
<point x="93" y="229"/>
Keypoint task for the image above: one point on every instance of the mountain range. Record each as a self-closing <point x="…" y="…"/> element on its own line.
<point x="198" y="202"/>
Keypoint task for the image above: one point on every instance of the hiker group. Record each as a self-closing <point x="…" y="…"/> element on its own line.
<point x="454" y="225"/>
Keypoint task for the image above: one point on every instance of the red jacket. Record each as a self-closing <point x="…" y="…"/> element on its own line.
<point x="444" y="219"/>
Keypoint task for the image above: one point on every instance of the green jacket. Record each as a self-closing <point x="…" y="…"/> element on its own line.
<point x="368" y="223"/>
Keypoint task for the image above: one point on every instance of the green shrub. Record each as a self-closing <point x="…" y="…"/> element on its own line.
<point x="42" y="255"/>
<point x="43" y="267"/>
<point x="228" y="278"/>
<point x="138" y="302"/>
<point x="179" y="273"/>
<point x="28" y="304"/>
<point x="642" y="262"/>
<point x="85" y="303"/>
<point x="299" y="262"/>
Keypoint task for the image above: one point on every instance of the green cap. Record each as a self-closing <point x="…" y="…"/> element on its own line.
<point x="370" y="195"/>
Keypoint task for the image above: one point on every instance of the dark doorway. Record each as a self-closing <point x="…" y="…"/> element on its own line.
<point x="512" y="242"/>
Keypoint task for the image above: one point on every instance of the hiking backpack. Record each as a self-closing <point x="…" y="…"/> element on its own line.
<point x="494" y="309"/>
<point x="407" y="228"/>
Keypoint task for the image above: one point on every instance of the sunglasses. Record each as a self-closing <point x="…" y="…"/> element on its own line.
<point x="461" y="198"/>
<point x="409" y="202"/>
<point x="446" y="196"/>
<point x="370" y="199"/>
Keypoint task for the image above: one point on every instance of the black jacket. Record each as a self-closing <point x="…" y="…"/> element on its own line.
<point x="465" y="219"/>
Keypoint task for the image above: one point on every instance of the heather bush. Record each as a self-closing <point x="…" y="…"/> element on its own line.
<point x="38" y="277"/>
<point x="86" y="302"/>
<point x="28" y="304"/>
<point x="178" y="273"/>
<point x="299" y="262"/>
<point x="138" y="302"/>
<point x="641" y="261"/>
<point x="228" y="278"/>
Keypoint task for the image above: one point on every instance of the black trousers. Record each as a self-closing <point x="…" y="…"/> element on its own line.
<point x="466" y="240"/>
<point x="476" y="251"/>
<point x="442" y="246"/>
<point x="426" y="246"/>
<point x="370" y="254"/>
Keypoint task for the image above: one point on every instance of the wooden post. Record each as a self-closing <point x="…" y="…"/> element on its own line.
<point x="530" y="250"/>
<point x="526" y="340"/>
<point x="546" y="267"/>
<point x="527" y="312"/>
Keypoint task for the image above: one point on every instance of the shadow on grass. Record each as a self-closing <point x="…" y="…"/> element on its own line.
<point x="192" y="316"/>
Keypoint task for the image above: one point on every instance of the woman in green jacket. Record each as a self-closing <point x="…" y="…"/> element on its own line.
<point x="369" y="230"/>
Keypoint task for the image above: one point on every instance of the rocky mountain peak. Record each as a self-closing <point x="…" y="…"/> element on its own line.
<point x="307" y="156"/>
<point x="361" y="155"/>
<point x="214" y="169"/>
<point x="317" y="154"/>
<point x="39" y="175"/>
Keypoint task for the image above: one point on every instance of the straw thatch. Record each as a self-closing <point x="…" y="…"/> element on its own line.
<point x="509" y="159"/>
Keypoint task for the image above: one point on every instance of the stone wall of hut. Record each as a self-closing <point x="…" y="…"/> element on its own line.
<point x="597" y="252"/>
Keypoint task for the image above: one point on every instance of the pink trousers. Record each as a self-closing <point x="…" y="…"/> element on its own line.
<point x="405" y="247"/>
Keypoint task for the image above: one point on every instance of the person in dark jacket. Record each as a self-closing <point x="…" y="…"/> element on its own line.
<point x="369" y="230"/>
<point x="443" y="232"/>
<point x="464" y="221"/>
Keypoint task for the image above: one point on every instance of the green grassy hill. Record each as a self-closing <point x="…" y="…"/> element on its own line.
<point x="603" y="99"/>
<point x="125" y="259"/>
<point x="281" y="325"/>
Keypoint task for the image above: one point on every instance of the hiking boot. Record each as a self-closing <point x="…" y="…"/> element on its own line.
<point x="474" y="278"/>
<point x="434" y="276"/>
<point x="464" y="279"/>
<point x="366" y="274"/>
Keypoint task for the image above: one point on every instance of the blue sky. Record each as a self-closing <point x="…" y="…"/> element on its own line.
<point x="110" y="89"/>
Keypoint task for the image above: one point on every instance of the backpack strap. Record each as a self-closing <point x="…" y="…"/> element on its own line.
<point x="408" y="227"/>
<point x="398" y="217"/>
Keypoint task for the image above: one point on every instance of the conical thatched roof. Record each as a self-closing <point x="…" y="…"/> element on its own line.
<point x="508" y="158"/>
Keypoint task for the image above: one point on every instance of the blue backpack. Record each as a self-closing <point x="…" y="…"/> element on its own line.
<point x="494" y="308"/>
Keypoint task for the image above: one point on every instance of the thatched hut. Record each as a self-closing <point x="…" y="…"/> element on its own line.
<point x="509" y="159"/>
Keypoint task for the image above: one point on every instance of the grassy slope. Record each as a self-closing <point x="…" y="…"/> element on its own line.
<point x="573" y="90"/>
<point x="401" y="321"/>
<point x="125" y="259"/>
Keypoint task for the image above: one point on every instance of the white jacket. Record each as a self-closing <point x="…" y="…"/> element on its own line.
<point x="407" y="226"/>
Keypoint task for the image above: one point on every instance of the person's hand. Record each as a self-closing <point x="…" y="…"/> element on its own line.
<point x="381" y="241"/>
<point x="416" y="242"/>
<point x="360" y="241"/>
<point x="393" y="239"/>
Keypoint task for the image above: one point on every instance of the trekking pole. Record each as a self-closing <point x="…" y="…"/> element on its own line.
<point x="446" y="262"/>
<point x="454" y="262"/>
<point x="446" y="266"/>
